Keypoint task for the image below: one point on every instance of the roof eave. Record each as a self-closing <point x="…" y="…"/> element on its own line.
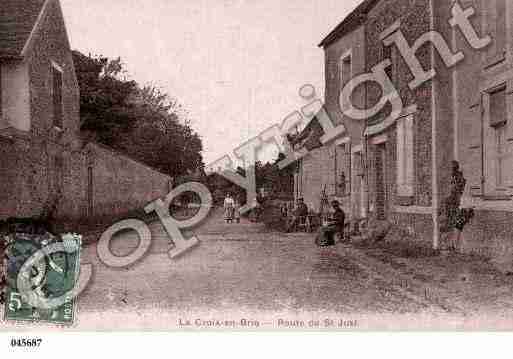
<point x="352" y="21"/>
<point x="337" y="34"/>
<point x="35" y="28"/>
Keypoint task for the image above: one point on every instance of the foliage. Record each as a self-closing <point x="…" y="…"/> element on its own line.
<point x="139" y="121"/>
<point x="278" y="183"/>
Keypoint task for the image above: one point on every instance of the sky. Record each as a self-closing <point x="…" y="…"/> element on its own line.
<point x="235" y="65"/>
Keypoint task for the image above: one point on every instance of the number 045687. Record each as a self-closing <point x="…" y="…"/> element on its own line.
<point x="26" y="342"/>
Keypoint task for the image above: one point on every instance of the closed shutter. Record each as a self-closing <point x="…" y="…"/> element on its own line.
<point x="345" y="70"/>
<point x="509" y="139"/>
<point x="498" y="107"/>
<point x="1" y="117"/>
<point x="471" y="150"/>
<point x="494" y="143"/>
<point x="497" y="144"/>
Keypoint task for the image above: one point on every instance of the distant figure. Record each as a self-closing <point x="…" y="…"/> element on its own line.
<point x="334" y="225"/>
<point x="236" y="210"/>
<point x="257" y="209"/>
<point x="284" y="210"/>
<point x="229" y="208"/>
<point x="300" y="211"/>
<point x="260" y="198"/>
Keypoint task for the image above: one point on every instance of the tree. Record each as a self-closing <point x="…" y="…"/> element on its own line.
<point x="142" y="122"/>
<point x="279" y="183"/>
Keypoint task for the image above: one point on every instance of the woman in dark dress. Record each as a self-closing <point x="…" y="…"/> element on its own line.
<point x="452" y="216"/>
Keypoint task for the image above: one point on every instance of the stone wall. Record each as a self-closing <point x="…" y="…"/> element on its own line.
<point x="29" y="180"/>
<point x="411" y="213"/>
<point x="120" y="184"/>
<point x="9" y="194"/>
<point x="47" y="164"/>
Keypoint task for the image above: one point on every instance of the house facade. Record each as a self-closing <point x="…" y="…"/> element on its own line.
<point x="40" y="146"/>
<point x="461" y="113"/>
<point x="482" y="105"/>
<point x="44" y="163"/>
<point x="400" y="161"/>
<point x="336" y="168"/>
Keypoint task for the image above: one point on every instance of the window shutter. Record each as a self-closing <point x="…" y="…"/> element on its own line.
<point x="509" y="139"/>
<point x="405" y="154"/>
<point x="471" y="150"/>
<point x="1" y="114"/>
<point x="345" y="70"/>
<point x="400" y="154"/>
<point x="409" y="148"/>
<point x="498" y="107"/>
<point x="507" y="160"/>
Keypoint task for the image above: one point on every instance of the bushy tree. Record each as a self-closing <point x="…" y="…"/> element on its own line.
<point x="140" y="121"/>
<point x="278" y="183"/>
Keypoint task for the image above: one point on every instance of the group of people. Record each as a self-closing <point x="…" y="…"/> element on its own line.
<point x="332" y="225"/>
<point x="453" y="218"/>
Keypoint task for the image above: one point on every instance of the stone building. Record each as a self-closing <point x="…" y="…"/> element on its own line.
<point x="481" y="129"/>
<point x="461" y="113"/>
<point x="43" y="161"/>
<point x="336" y="167"/>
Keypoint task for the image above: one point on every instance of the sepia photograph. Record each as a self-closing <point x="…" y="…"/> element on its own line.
<point x="255" y="165"/>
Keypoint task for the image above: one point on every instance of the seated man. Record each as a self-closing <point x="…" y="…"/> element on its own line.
<point x="335" y="225"/>
<point x="300" y="211"/>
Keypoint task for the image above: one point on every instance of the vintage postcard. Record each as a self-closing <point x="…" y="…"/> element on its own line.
<point x="241" y="165"/>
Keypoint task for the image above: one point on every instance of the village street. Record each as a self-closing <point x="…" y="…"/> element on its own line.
<point x="241" y="276"/>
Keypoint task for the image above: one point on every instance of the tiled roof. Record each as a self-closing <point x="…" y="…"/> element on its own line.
<point x="352" y="21"/>
<point x="17" y="19"/>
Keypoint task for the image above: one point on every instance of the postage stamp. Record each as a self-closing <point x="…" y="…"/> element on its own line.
<point x="52" y="274"/>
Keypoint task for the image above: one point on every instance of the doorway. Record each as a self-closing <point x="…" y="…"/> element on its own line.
<point x="381" y="192"/>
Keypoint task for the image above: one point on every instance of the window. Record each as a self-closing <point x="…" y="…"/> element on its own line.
<point x="1" y="94"/>
<point x="497" y="147"/>
<point x="57" y="96"/>
<point x="498" y="107"/>
<point x="345" y="70"/>
<point x="58" y="175"/>
<point x="405" y="152"/>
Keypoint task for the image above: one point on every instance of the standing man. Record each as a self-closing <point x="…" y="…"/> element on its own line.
<point x="229" y="207"/>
